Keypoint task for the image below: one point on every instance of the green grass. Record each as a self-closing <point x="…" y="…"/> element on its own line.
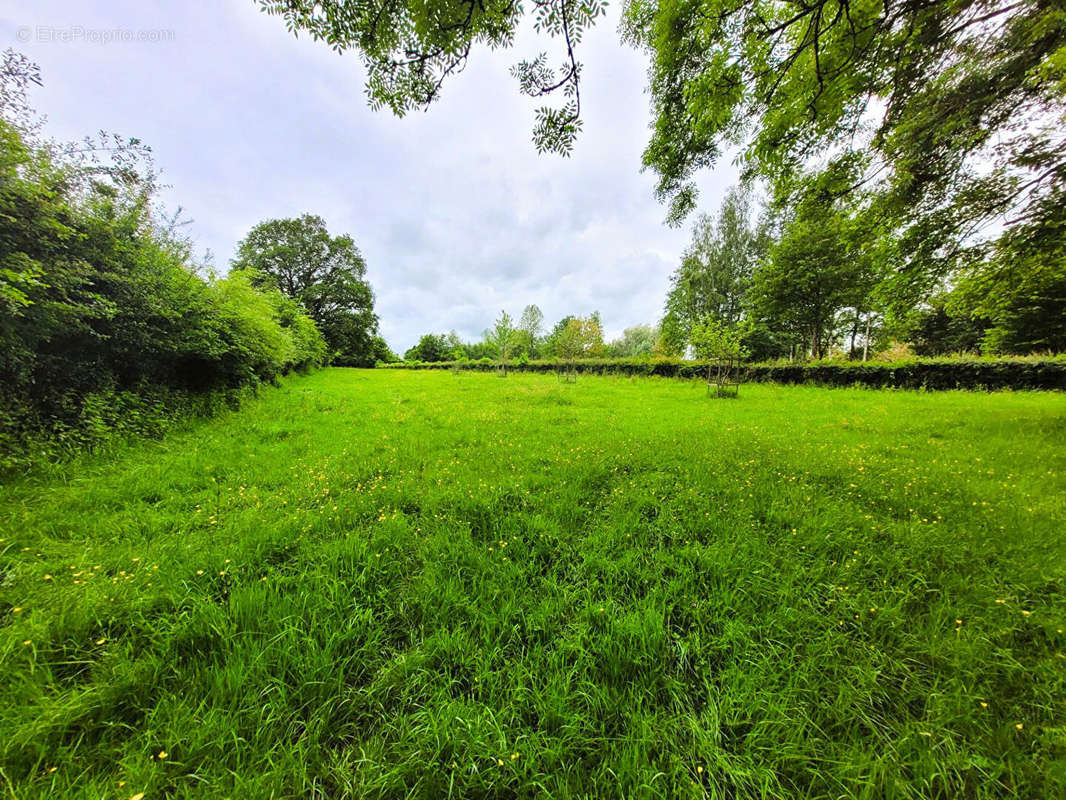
<point x="393" y="584"/>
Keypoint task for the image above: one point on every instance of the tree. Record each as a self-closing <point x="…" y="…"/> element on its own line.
<point x="501" y="338"/>
<point x="570" y="346"/>
<point x="593" y="333"/>
<point x="636" y="341"/>
<point x="529" y="329"/>
<point x="591" y="336"/>
<point x="325" y="274"/>
<point x="721" y="346"/>
<point x="430" y="348"/>
<point x="715" y="273"/>
<point x="817" y="268"/>
<point x="578" y="337"/>
<point x="550" y="346"/>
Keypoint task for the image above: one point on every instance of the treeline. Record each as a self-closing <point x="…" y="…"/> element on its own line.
<point x="571" y="337"/>
<point x="107" y="322"/>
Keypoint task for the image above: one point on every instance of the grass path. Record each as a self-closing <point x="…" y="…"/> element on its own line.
<point x="392" y="584"/>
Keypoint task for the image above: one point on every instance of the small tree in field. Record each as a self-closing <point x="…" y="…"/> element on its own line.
<point x="570" y="345"/>
<point x="529" y="329"/>
<point x="502" y="338"/>
<point x="720" y="346"/>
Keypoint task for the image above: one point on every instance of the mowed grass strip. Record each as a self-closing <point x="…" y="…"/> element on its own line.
<point x="393" y="584"/>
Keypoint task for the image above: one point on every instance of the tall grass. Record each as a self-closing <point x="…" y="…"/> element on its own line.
<point x="420" y="584"/>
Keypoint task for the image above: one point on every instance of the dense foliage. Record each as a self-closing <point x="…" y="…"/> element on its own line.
<point x="103" y="314"/>
<point x="809" y="278"/>
<point x="714" y="279"/>
<point x="325" y="274"/>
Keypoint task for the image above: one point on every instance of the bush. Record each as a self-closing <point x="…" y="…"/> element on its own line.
<point x="104" y="325"/>
<point x="973" y="374"/>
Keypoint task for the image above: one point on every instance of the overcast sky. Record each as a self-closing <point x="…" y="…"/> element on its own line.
<point x="456" y="214"/>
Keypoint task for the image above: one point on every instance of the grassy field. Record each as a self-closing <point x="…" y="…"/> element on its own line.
<point x="390" y="584"/>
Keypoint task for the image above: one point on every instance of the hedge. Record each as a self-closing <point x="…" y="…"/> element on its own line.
<point x="106" y="324"/>
<point x="976" y="374"/>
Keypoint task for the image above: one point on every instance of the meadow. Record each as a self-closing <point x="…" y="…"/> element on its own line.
<point x="425" y="584"/>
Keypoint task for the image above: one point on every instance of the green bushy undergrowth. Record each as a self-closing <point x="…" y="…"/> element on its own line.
<point x="107" y="420"/>
<point x="105" y="323"/>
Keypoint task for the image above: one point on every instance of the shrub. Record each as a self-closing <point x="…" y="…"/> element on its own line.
<point x="104" y="323"/>
<point x="979" y="374"/>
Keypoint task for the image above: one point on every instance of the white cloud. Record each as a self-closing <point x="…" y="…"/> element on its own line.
<point x="455" y="212"/>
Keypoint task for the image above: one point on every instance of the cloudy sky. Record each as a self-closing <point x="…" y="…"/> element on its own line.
<point x="456" y="214"/>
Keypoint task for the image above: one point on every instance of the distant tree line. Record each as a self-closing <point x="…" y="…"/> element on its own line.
<point x="572" y="337"/>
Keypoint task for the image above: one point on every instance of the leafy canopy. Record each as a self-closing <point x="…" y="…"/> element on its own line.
<point x="713" y="340"/>
<point x="951" y="110"/>
<point x="410" y="48"/>
<point x="716" y="268"/>
<point x="325" y="274"/>
<point x="502" y="337"/>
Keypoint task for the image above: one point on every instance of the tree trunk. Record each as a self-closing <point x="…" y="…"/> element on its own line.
<point x="866" y="339"/>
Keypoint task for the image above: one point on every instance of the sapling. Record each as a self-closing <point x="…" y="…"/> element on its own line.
<point x="722" y="348"/>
